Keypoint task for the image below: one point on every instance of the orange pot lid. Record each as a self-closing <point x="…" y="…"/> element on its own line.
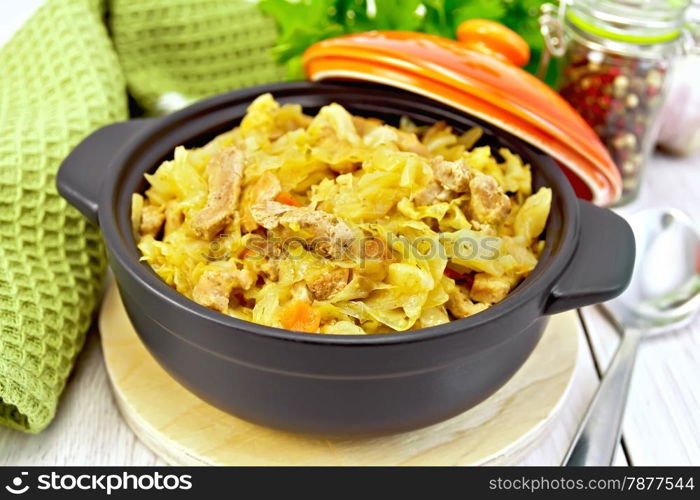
<point x="478" y="75"/>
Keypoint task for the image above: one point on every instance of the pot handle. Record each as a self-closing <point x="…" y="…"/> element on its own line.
<point x="602" y="264"/>
<point x="80" y="174"/>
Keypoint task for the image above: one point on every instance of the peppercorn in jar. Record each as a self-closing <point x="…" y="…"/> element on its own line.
<point x="615" y="57"/>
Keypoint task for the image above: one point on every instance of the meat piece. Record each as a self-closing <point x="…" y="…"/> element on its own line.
<point x="433" y="193"/>
<point x="152" y="218"/>
<point x="325" y="233"/>
<point x="266" y="188"/>
<point x="409" y="142"/>
<point x="269" y="213"/>
<point x="215" y="286"/>
<point x="224" y="173"/>
<point x="451" y="179"/>
<point x="488" y="203"/>
<point x="173" y="217"/>
<point x="461" y="306"/>
<point x="483" y="228"/>
<point x="271" y="269"/>
<point x="490" y="289"/>
<point x="327" y="285"/>
<point x="452" y="175"/>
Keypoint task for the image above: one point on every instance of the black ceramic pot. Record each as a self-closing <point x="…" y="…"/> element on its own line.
<point x="328" y="384"/>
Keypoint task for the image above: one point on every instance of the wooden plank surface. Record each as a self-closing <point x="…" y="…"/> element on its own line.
<point x="662" y="421"/>
<point x="552" y="450"/>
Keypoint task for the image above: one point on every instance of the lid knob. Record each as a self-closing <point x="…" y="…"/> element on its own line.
<point x="494" y="39"/>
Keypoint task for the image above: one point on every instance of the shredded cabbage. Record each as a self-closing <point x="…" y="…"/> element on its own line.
<point x="413" y="239"/>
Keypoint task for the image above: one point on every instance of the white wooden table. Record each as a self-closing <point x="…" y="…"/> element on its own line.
<point x="662" y="424"/>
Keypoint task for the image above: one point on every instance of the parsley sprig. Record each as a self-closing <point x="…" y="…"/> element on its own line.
<point x="304" y="22"/>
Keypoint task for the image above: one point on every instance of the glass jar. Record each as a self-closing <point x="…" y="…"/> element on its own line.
<point x="680" y="116"/>
<point x="614" y="59"/>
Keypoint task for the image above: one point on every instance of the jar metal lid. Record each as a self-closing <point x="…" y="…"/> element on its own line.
<point x="618" y="36"/>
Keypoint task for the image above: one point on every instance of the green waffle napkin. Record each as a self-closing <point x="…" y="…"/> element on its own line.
<point x="68" y="71"/>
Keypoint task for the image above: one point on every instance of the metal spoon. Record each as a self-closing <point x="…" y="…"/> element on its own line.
<point x="664" y="294"/>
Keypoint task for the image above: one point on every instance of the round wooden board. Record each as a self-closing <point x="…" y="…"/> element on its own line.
<point x="184" y="430"/>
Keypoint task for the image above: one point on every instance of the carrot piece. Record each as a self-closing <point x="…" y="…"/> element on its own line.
<point x="465" y="278"/>
<point x="300" y="316"/>
<point x="455" y="275"/>
<point x="287" y="199"/>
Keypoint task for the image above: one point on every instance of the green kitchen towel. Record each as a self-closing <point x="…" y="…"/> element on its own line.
<point x="66" y="72"/>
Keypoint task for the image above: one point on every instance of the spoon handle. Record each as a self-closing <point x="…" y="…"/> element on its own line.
<point x="599" y="432"/>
